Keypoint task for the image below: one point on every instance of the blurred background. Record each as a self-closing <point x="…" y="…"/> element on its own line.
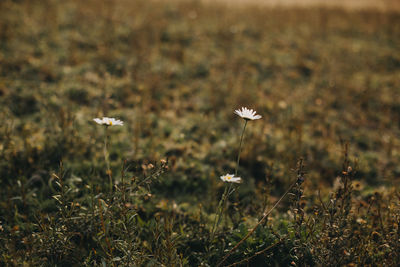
<point x="380" y="5"/>
<point x="322" y="74"/>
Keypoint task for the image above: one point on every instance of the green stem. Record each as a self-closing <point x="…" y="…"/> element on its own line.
<point x="255" y="227"/>
<point x="227" y="191"/>
<point x="240" y="148"/>
<point x="220" y="208"/>
<point x="106" y="157"/>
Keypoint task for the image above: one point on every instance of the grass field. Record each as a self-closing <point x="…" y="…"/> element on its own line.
<point x="326" y="82"/>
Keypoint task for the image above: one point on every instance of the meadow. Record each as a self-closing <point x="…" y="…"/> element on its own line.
<point x="319" y="171"/>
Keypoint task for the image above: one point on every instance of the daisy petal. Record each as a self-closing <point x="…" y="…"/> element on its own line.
<point x="230" y="178"/>
<point x="247" y="114"/>
<point x="109" y="121"/>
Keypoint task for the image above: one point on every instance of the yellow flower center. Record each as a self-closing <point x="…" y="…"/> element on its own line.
<point x="110" y="123"/>
<point x="228" y="177"/>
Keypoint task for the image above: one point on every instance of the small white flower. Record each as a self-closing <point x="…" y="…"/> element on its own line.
<point x="230" y="178"/>
<point x="247" y="114"/>
<point x="108" y="121"/>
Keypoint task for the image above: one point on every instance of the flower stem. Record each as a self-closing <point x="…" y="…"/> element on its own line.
<point x="219" y="211"/>
<point x="218" y="216"/>
<point x="255" y="227"/>
<point x="227" y="192"/>
<point x="240" y="148"/>
<point x="106" y="157"/>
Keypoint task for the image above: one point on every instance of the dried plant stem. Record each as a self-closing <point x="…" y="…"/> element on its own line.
<point x="258" y="224"/>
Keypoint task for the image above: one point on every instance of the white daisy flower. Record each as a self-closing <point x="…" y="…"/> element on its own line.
<point x="230" y="178"/>
<point x="247" y="114"/>
<point x="108" y="121"/>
